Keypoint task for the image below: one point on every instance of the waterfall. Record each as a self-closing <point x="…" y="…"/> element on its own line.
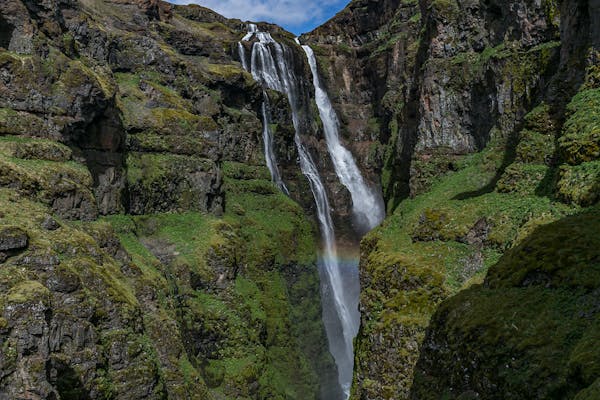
<point x="266" y="109"/>
<point x="271" y="64"/>
<point x="367" y="205"/>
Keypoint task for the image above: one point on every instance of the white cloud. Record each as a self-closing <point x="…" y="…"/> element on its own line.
<point x="283" y="12"/>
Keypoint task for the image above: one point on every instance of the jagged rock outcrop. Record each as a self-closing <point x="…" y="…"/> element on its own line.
<point x="199" y="280"/>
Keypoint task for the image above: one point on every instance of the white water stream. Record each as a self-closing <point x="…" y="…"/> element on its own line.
<point x="272" y="64"/>
<point x="366" y="203"/>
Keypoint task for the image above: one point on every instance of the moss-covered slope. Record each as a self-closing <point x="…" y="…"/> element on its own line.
<point x="530" y="120"/>
<point x="530" y="331"/>
<point x="164" y="305"/>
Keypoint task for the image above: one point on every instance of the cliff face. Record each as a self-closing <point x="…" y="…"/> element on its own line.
<point x="367" y="55"/>
<point x="144" y="252"/>
<point x="481" y="138"/>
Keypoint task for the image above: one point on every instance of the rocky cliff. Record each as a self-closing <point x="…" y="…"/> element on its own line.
<point x="475" y="112"/>
<point x="144" y="252"/>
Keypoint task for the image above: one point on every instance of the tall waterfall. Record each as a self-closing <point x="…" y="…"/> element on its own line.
<point x="368" y="209"/>
<point x="367" y="205"/>
<point x="271" y="64"/>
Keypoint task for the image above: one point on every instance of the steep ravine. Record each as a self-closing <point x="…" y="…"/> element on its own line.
<point x="146" y="253"/>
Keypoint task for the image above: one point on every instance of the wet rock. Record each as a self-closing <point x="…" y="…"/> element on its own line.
<point x="13" y="238"/>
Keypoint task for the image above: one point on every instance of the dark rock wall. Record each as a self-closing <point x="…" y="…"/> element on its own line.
<point x="112" y="79"/>
<point x="366" y="54"/>
<point x="144" y="252"/>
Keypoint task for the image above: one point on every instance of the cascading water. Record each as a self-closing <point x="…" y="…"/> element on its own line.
<point x="268" y="143"/>
<point x="270" y="64"/>
<point x="368" y="210"/>
<point x="266" y="109"/>
<point x="367" y="205"/>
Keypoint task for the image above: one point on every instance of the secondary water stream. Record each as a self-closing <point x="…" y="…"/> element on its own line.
<point x="271" y="64"/>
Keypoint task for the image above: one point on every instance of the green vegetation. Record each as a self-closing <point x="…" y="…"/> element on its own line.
<point x="580" y="184"/>
<point x="530" y="327"/>
<point x="445" y="8"/>
<point x="274" y="224"/>
<point x="470" y="210"/>
<point x="15" y="123"/>
<point x="581" y="139"/>
<point x="233" y="275"/>
<point x="181" y="304"/>
<point x="24" y="166"/>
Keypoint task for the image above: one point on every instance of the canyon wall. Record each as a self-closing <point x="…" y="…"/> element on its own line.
<point x="475" y="115"/>
<point x="144" y="252"/>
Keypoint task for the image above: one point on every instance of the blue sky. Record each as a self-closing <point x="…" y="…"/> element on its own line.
<point x="297" y="16"/>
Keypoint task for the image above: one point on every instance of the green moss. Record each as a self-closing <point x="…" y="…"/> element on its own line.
<point x="46" y="180"/>
<point x="522" y="178"/>
<point x="580" y="141"/>
<point x="445" y="8"/>
<point x="250" y="321"/>
<point x="145" y="169"/>
<point x="529" y="328"/>
<point x="545" y="253"/>
<point x="149" y="105"/>
<point x="579" y="184"/>
<point x="27" y="291"/>
<point x="273" y="223"/>
<point x="535" y="147"/>
<point x="539" y="120"/>
<point x="20" y="123"/>
<point x="229" y="72"/>
<point x="439" y="243"/>
<point x="159" y="143"/>
<point x="552" y="12"/>
<point x="169" y="117"/>
<point x="427" y="168"/>
<point x="34" y="149"/>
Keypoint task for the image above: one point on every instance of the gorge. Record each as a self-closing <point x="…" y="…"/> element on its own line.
<point x="400" y="204"/>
